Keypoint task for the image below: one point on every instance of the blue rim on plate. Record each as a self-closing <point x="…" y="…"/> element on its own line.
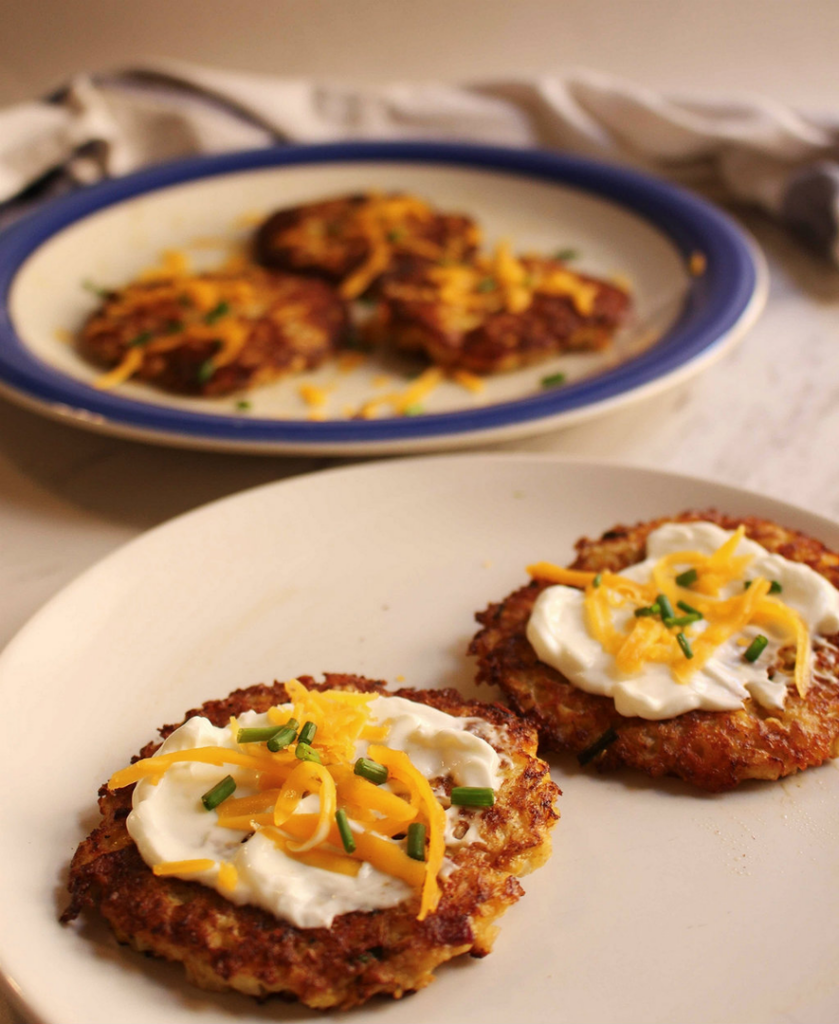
<point x="714" y="306"/>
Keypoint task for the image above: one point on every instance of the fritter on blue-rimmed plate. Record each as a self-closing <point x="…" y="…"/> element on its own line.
<point x="733" y="676"/>
<point x="214" y="333"/>
<point x="498" y="313"/>
<point x="353" y="240"/>
<point x="431" y="854"/>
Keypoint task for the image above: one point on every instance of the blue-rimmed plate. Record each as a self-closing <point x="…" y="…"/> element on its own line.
<point x="698" y="283"/>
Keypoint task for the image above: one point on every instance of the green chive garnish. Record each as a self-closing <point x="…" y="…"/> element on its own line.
<point x="173" y="326"/>
<point x="553" y="380"/>
<point x="371" y="770"/>
<point x="395" y="235"/>
<point x="416" y="840"/>
<point x="664" y="606"/>
<point x="598" y="579"/>
<point x="221" y="791"/>
<point x="599" y="745"/>
<point x="566" y="254"/>
<point x="414" y="410"/>
<point x="95" y="289"/>
<point x="205" y="371"/>
<point x="143" y="338"/>
<point x="756" y="648"/>
<point x="283" y="736"/>
<point x="774" y="587"/>
<point x="307" y="733"/>
<point x="473" y="796"/>
<point x="306" y="753"/>
<point x="652" y="609"/>
<point x="690" y="609"/>
<point x="344" y="828"/>
<point x="487" y="285"/>
<point x="682" y="620"/>
<point x="243" y="405"/>
<point x="685" y="579"/>
<point x="258" y="734"/>
<point x="217" y="312"/>
<point x="684" y="643"/>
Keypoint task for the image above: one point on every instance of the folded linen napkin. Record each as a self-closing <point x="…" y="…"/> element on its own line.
<point x="750" y="149"/>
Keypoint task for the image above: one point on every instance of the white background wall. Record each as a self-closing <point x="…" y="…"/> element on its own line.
<point x="788" y="49"/>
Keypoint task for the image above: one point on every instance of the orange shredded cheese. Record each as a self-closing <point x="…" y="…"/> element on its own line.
<point x="182" y="867"/>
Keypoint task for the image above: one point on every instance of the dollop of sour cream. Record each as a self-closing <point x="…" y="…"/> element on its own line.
<point x="169" y="823"/>
<point x="559" y="635"/>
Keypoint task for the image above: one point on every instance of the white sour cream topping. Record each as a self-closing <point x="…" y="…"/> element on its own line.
<point x="169" y="823"/>
<point x="558" y="633"/>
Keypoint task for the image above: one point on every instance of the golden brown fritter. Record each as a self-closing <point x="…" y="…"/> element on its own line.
<point x="714" y="750"/>
<point x="353" y="240"/>
<point x="214" y="333"/>
<point x="390" y="952"/>
<point x="498" y="314"/>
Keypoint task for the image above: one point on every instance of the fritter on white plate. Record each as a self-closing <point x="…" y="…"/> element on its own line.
<point x="214" y="333"/>
<point x="450" y="895"/>
<point x="353" y="240"/>
<point x="713" y="749"/>
<point x="499" y="313"/>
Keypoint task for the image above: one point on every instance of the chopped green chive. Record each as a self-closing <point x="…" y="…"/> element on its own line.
<point x="221" y="791"/>
<point x="243" y="405"/>
<point x="257" y="735"/>
<point x="416" y="840"/>
<point x="306" y="753"/>
<point x="690" y="609"/>
<point x="342" y="821"/>
<point x="205" y="371"/>
<point x="173" y="326"/>
<point x="395" y="235"/>
<point x="684" y="643"/>
<point x="774" y="587"/>
<point x="143" y="338"/>
<point x="283" y="736"/>
<point x="371" y="770"/>
<point x="566" y="254"/>
<point x="598" y="579"/>
<point x="95" y="289"/>
<point x="756" y="648"/>
<point x="553" y="380"/>
<point x="414" y="410"/>
<point x="473" y="796"/>
<point x="217" y="312"/>
<point x="682" y="620"/>
<point x="307" y="733"/>
<point x="652" y="609"/>
<point x="666" y="609"/>
<point x="599" y="745"/>
<point x="487" y="285"/>
<point x="685" y="579"/>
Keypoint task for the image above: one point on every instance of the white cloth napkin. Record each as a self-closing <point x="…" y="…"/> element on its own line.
<point x="746" y="149"/>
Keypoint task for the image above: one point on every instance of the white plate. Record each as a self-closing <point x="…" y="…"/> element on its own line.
<point x="659" y="903"/>
<point x="621" y="222"/>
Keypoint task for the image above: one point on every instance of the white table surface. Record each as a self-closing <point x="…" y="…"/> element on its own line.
<point x="765" y="418"/>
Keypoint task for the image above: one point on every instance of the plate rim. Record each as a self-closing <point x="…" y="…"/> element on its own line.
<point x="15" y="991"/>
<point x="721" y="305"/>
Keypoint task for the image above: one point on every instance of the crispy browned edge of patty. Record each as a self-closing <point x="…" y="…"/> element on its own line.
<point x="363" y="954"/>
<point x="712" y="750"/>
<point x="278" y="343"/>
<point x="505" y="341"/>
<point x="454" y="232"/>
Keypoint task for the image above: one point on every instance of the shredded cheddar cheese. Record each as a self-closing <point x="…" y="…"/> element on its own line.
<point x="647" y="638"/>
<point x="380" y="816"/>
